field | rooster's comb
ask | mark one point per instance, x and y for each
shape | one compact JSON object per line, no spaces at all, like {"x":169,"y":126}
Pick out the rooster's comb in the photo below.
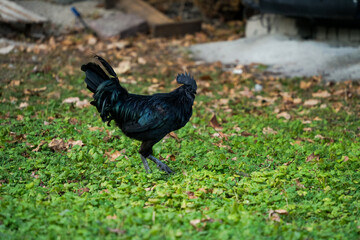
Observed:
{"x":186,"y":79}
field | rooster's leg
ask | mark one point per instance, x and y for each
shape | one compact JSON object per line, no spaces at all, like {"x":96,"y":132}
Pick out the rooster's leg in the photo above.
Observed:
{"x":146,"y":164}
{"x":160,"y":164}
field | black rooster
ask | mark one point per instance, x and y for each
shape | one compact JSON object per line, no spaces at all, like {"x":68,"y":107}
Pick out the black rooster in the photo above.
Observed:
{"x":145,"y":118}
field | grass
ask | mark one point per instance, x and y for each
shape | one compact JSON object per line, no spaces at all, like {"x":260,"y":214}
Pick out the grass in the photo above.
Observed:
{"x":250,"y":175}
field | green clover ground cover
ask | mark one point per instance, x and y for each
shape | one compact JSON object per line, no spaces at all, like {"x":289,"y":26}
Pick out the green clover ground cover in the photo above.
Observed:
{"x":254,"y":175}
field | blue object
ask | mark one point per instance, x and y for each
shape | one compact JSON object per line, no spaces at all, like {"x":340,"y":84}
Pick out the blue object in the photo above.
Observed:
{"x":76,"y":12}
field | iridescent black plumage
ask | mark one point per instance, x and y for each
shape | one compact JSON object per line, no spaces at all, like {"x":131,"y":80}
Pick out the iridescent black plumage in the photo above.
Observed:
{"x":142,"y":117}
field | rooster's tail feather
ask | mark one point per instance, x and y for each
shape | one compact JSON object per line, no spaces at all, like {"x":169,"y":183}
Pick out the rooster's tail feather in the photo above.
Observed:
{"x":107,"y":90}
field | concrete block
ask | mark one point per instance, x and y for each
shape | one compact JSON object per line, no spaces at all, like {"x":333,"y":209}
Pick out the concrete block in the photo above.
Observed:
{"x":119,"y":24}
{"x":320,"y":33}
{"x":343,"y":34}
{"x":271,"y":24}
{"x":354,"y":35}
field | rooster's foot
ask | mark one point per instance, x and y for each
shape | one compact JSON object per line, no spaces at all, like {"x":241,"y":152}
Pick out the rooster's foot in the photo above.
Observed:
{"x":146,"y":164}
{"x":160,"y":164}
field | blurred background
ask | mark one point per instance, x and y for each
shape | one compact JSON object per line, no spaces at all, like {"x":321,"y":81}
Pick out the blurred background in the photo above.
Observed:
{"x":293,"y":37}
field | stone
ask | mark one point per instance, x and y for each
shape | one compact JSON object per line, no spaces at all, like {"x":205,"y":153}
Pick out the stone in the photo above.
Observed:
{"x":118,"y":24}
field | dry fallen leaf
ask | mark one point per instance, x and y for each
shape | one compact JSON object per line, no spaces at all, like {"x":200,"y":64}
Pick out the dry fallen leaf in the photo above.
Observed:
{"x":274,"y":216}
{"x":34,"y":91}
{"x":38,"y":147}
{"x":116,"y":230}
{"x":71,"y":100}
{"x":57,"y":145}
{"x":96,"y":128}
{"x":141,"y":60}
{"x":297,"y":142}
{"x":111,"y":217}
{"x":312,"y":157}
{"x":123,"y":67}
{"x":19,"y":117}
{"x":268,"y":130}
{"x":319,"y":136}
{"x":71,"y":143}
{"x":23,"y":105}
{"x":78,"y":103}
{"x":191,"y":195}
{"x":215,"y":124}
{"x":246,"y":93}
{"x":297,"y":100}
{"x":195,"y":222}
{"x":305,"y":85}
{"x":82,"y":104}
{"x":113,"y":156}
{"x":173,"y":135}
{"x":311,"y":102}
{"x":284,"y":115}
{"x":308,"y":129}
{"x":321,"y":94}
{"x":281,"y":211}
{"x":298,"y":184}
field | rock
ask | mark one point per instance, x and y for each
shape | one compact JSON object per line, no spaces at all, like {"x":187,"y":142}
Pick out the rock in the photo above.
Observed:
{"x":118,"y":24}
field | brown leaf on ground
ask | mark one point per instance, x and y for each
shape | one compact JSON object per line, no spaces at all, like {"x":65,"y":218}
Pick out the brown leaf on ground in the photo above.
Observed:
{"x":38,"y":146}
{"x":339,"y":92}
{"x":82,"y":104}
{"x":173,"y":135}
{"x":73,"y":121}
{"x":274,"y":216}
{"x":195,"y":222}
{"x":72,"y":143}
{"x":311,"y":103}
{"x":82,"y":190}
{"x":319,"y":136}
{"x":116,"y":230}
{"x":172,"y":158}
{"x":78,"y":103}
{"x":19,"y":117}
{"x":34,"y":91}
{"x":286,"y":97}
{"x":246,"y":134}
{"x":191,"y":195}
{"x":123,"y":67}
{"x":298,"y":184}
{"x":202,"y":190}
{"x":215,"y":124}
{"x":305,"y":85}
{"x":297,"y":142}
{"x":268,"y":130}
{"x":54,"y":95}
{"x":57,"y":145}
{"x":246,"y":93}
{"x":200,"y":224}
{"x":113,"y":156}
{"x":23,"y":105}
{"x":281,"y":211}
{"x":284,"y":115}
{"x":307,"y":129}
{"x":337,"y":106}
{"x":321,"y":94}
{"x":111,"y":217}
{"x":96,"y":128}
{"x":297,"y":100}
{"x":71,"y":100}
{"x":312,"y":157}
